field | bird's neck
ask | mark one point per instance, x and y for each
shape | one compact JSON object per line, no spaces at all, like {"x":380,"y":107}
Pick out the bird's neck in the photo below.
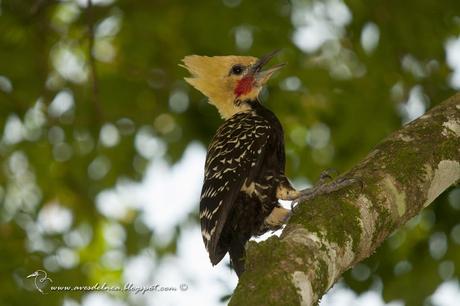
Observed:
{"x":262,"y":111}
{"x":254,"y":105}
{"x":251,"y":104}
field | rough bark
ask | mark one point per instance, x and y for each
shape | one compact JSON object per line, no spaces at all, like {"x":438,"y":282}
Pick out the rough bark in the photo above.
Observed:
{"x":330,"y":234}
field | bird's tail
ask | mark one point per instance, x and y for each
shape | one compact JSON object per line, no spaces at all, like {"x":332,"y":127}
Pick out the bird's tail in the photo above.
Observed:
{"x":237,"y":253}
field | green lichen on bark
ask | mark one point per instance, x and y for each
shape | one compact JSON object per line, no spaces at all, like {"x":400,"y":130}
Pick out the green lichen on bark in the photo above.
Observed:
{"x":322,"y":277}
{"x":385,"y":223}
{"x":335,"y":220}
{"x":403,"y":164}
{"x":269,"y":260}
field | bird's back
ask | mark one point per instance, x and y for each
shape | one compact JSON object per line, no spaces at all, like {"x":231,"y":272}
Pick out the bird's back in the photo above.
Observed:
{"x":243,"y":162}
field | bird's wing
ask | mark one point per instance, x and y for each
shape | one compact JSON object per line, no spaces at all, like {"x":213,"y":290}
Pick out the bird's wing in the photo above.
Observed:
{"x":234,"y":155}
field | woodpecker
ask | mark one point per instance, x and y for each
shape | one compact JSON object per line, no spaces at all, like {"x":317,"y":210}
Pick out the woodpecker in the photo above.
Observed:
{"x":244,"y":169}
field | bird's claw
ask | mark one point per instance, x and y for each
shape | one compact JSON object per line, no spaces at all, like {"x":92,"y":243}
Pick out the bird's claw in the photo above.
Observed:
{"x":294,"y":205}
{"x":324,"y":188}
{"x":325,"y":176}
{"x":305,"y":195}
{"x":350,"y":181}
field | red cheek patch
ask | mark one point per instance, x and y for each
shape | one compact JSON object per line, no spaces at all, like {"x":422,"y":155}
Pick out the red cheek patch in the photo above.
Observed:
{"x":244,"y":86}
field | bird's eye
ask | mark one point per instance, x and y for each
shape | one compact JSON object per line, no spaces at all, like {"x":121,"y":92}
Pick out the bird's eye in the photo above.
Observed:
{"x":237,"y":70}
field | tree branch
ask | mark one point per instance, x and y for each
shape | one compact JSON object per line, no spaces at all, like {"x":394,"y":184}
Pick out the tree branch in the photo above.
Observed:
{"x":330,"y":234}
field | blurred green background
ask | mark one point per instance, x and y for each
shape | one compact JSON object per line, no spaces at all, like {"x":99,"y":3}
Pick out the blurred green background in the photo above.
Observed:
{"x":95,"y":119}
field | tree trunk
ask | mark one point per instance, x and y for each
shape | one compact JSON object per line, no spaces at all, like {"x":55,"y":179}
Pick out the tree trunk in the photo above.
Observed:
{"x":329,"y":234}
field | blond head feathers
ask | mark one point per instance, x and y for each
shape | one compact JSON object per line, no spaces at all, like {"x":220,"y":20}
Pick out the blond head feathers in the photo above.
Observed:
{"x":211,"y":76}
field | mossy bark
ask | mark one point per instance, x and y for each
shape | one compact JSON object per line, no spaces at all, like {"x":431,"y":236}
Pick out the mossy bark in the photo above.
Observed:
{"x":328,"y":235}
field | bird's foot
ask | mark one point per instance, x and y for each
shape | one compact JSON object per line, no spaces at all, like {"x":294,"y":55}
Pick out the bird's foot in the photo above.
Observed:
{"x":326,"y":176}
{"x":324,"y":187}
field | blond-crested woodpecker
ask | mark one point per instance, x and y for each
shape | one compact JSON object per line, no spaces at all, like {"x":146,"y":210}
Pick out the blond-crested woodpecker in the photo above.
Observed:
{"x":244,"y":170}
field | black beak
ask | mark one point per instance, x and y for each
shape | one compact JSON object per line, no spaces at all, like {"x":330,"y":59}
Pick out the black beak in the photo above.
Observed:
{"x":260,"y":75}
{"x":257,"y":67}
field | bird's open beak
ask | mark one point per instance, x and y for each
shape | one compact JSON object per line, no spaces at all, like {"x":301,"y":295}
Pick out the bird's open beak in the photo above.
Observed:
{"x":262,"y":76}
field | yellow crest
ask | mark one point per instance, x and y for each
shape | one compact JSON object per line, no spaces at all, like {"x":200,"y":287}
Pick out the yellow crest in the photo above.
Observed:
{"x":211,"y":76}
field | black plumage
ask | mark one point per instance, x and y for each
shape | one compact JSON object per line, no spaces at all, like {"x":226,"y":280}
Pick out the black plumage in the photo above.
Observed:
{"x":244,"y":167}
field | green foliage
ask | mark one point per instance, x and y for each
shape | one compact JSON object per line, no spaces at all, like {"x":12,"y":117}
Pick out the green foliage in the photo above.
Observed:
{"x":336,"y":102}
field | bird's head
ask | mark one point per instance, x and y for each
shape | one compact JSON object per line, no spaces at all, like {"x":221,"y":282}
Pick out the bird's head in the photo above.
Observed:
{"x":229,"y":81}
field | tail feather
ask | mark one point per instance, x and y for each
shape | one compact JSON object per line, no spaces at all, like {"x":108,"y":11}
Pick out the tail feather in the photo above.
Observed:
{"x":237,"y":255}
